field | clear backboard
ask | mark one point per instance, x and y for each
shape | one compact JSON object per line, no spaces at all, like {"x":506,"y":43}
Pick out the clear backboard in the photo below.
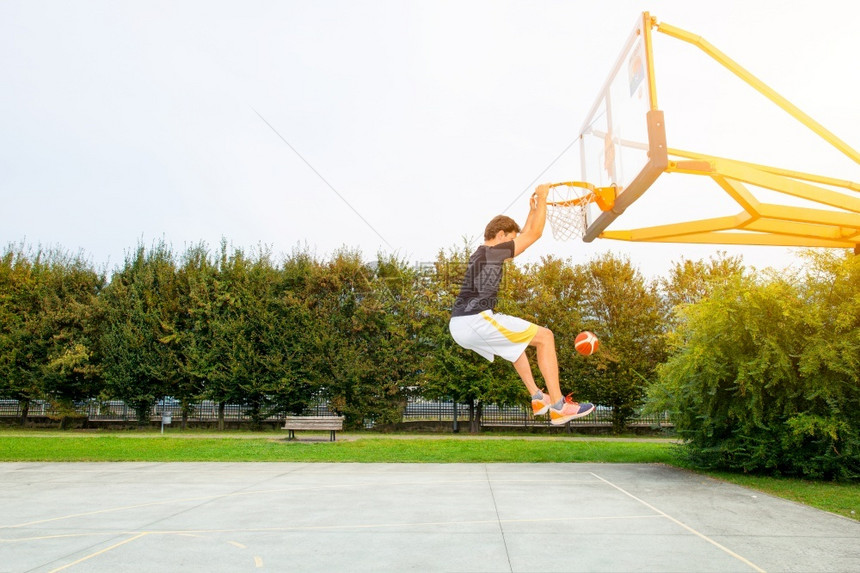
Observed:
{"x":623,"y":139}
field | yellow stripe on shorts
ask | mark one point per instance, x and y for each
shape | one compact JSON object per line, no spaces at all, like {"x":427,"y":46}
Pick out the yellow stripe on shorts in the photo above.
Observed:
{"x":515,"y":337}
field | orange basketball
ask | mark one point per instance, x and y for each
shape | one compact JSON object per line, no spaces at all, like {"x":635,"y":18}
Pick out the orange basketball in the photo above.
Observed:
{"x":586,"y":343}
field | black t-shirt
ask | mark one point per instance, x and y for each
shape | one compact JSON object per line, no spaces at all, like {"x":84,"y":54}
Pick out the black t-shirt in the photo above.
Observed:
{"x":480,"y":288}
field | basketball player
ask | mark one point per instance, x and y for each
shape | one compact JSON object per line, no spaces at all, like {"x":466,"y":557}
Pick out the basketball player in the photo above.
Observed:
{"x":475,"y":326}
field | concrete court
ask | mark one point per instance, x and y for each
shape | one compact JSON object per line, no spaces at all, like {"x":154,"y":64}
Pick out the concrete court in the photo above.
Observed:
{"x":164,"y":517}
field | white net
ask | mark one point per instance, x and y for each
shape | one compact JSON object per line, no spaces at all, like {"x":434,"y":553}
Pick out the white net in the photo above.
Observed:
{"x":565,"y":211}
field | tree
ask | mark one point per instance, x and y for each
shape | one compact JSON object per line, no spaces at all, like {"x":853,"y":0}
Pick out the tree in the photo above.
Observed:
{"x":139,"y":343}
{"x":47,"y":309}
{"x":763,"y":374}
{"x":211,"y":298}
{"x":198,"y":349}
{"x":364,"y":324}
{"x":267,"y":332}
{"x":828,"y":427}
{"x":246,"y":340}
{"x":69,"y":326}
{"x":19,"y":311}
{"x":691,"y":281}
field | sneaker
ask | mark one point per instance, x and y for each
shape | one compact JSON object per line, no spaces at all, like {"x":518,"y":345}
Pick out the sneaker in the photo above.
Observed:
{"x":570,"y":410}
{"x":541,"y":405}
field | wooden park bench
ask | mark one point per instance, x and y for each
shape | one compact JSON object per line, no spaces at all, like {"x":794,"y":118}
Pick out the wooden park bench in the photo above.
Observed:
{"x":331,"y":423}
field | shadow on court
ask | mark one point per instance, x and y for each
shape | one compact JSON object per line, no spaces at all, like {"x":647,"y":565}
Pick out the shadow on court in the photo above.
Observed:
{"x":397,"y":517}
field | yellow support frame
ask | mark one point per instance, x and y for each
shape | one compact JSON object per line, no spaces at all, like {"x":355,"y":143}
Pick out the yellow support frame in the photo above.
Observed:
{"x":758,"y":223}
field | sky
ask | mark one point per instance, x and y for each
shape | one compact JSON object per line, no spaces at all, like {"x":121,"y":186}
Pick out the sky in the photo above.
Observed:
{"x":398,"y":127}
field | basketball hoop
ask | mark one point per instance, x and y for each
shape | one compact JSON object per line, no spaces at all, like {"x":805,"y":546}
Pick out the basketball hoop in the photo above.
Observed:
{"x":567,"y":205}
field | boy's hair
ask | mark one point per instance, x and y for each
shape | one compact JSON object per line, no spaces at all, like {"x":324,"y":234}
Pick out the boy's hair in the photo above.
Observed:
{"x":500,"y":223}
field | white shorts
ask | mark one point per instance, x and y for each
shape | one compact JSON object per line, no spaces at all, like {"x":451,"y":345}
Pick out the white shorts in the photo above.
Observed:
{"x":492,"y":335}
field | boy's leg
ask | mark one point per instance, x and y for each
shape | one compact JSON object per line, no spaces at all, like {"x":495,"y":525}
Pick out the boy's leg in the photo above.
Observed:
{"x":524,"y":369}
{"x":540,"y":400}
{"x":544,"y":343}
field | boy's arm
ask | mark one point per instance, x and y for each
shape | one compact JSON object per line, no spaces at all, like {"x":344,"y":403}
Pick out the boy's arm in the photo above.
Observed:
{"x":531,"y":216}
{"x":533,"y":227}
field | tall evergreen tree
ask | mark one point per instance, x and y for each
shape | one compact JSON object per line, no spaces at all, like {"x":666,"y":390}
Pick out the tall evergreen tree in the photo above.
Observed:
{"x":47,"y":313}
{"x":363,"y":330}
{"x":20,"y":350}
{"x":70,"y":325}
{"x":264,"y":327}
{"x":139,"y":343}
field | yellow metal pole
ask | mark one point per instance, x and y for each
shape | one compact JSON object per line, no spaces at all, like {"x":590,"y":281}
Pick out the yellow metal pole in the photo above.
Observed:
{"x":733,"y":170}
{"x":678,"y":230}
{"x":739,"y":193}
{"x":741,"y":238}
{"x":850,"y":222}
{"x":802,"y":231}
{"x":760,"y":86}
{"x":775,"y":170}
{"x":647,"y":22}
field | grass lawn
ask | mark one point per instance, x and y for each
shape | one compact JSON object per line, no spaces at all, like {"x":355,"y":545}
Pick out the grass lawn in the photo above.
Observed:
{"x":34,"y":446}
{"x":113,"y":448}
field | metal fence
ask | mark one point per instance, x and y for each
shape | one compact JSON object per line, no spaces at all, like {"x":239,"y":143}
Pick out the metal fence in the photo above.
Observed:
{"x":118,"y":411}
{"x":416,"y":410}
{"x":515,"y":416}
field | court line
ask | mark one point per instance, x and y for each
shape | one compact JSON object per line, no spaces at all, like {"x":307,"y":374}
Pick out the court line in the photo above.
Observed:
{"x":100,"y":552}
{"x":499,"y":519}
{"x":684,"y":525}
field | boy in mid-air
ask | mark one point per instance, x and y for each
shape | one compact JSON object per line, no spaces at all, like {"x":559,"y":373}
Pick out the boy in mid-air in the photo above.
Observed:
{"x":475,"y":326}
